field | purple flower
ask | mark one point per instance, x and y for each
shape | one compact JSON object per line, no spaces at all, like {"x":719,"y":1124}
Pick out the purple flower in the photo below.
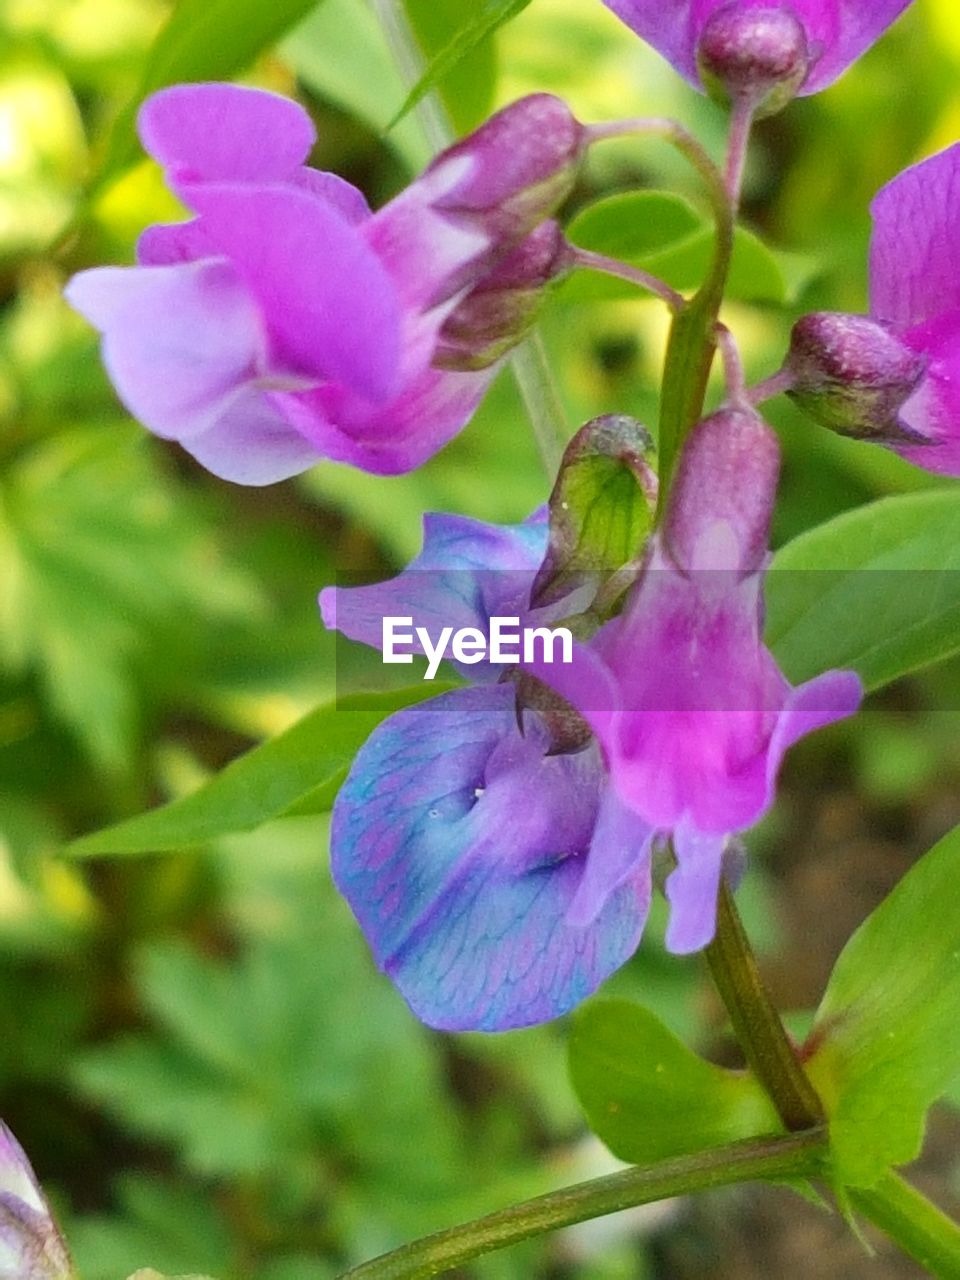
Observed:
{"x":892,"y":377}
{"x":690,"y":708}
{"x":31,"y":1247}
{"x":915,"y":292}
{"x":461,"y":843}
{"x":286,"y":323}
{"x":835,"y":33}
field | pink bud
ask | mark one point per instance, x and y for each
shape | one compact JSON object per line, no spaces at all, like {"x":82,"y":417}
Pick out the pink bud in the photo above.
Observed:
{"x":718,"y":515}
{"x":760,"y":56}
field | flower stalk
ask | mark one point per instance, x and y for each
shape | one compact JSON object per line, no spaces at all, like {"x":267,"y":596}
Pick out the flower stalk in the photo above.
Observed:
{"x":794,"y":1156}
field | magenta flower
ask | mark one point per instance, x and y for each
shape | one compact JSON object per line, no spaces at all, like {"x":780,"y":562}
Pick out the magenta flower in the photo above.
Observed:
{"x":461,"y":843}
{"x":690,"y":709}
{"x":740,"y":38}
{"x":31,"y":1247}
{"x":286,"y":323}
{"x":892,"y":377}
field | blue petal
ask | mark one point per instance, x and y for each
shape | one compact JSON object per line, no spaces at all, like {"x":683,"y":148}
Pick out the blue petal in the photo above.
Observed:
{"x":466,"y":573}
{"x":460,"y":846}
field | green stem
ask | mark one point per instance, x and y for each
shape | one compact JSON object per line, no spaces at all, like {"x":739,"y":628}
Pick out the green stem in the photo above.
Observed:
{"x":529,"y":362}
{"x":692,"y":339}
{"x":791,"y":1157}
{"x":756,"y":1022}
{"x":921,"y":1230}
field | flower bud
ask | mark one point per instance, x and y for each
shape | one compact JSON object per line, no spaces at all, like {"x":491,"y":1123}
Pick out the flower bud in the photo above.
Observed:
{"x":718,"y":516}
{"x":497,"y":313}
{"x":758,"y":55}
{"x":853,"y":375}
{"x":523,"y":163}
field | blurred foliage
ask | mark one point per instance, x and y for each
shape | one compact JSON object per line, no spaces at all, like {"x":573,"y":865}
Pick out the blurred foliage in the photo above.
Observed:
{"x":197,"y":1051}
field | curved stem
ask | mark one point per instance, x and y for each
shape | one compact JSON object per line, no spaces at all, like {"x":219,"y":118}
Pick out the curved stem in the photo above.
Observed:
{"x":756,"y":1022}
{"x":626,"y":271}
{"x":789,"y":1157}
{"x":922,"y":1231}
{"x":672,"y":132}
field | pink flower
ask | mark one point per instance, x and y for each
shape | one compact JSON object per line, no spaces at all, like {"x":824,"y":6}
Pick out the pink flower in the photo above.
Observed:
{"x":691,"y":711}
{"x":286,"y":323}
{"x":893,"y":377}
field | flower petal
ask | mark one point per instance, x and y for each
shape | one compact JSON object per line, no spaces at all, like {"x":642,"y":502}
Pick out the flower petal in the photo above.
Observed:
{"x":251,"y":442}
{"x":403,"y":433}
{"x":224,"y":132}
{"x":466,"y":573}
{"x":455,"y":840}
{"x":692,"y":888}
{"x":915,"y":249}
{"x":619,"y":854}
{"x":177,"y":340}
{"x":833,"y":696}
{"x":329,"y":307}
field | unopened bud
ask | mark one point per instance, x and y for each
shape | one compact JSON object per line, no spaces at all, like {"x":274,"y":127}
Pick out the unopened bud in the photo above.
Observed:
{"x":853,"y":375}
{"x":502,"y":307}
{"x":721,"y":502}
{"x":524,"y":163}
{"x":760,"y":55}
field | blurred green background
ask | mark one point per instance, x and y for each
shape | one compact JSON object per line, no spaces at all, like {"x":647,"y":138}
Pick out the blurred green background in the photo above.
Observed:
{"x":196,"y":1050}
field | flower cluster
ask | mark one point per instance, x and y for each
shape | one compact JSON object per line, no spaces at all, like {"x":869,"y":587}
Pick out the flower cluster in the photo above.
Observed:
{"x":500,"y":843}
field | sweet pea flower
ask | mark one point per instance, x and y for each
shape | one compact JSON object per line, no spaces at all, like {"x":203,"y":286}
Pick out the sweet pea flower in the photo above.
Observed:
{"x":31,"y":1247}
{"x":461,"y":840}
{"x":285,"y":323}
{"x":690,"y":709}
{"x":892,"y":377}
{"x":757,"y":46}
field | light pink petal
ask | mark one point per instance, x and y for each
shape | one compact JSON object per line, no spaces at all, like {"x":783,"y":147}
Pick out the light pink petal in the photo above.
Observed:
{"x":692,"y":888}
{"x":400,"y":435}
{"x":250,"y":442}
{"x":329,"y":306}
{"x":429,"y":254}
{"x":176,"y":340}
{"x":915,"y":249}
{"x":224,"y":132}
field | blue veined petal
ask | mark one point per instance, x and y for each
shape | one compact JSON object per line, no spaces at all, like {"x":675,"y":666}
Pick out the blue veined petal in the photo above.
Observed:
{"x":460,"y":846}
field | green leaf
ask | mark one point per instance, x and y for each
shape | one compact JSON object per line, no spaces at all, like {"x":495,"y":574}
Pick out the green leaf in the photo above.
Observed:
{"x":297,"y":772}
{"x":601,"y":507}
{"x":648,"y":1096}
{"x":876,"y":589}
{"x":98,"y":553}
{"x":481,"y":23}
{"x":887,"y":1033}
{"x":202,"y":40}
{"x":665,"y":235}
{"x":467,"y":90}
